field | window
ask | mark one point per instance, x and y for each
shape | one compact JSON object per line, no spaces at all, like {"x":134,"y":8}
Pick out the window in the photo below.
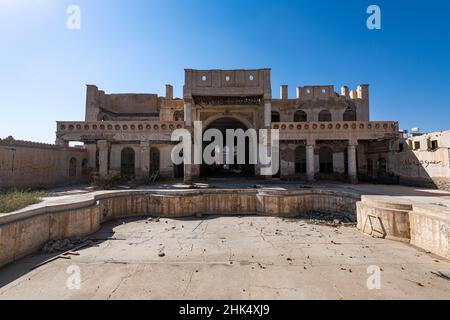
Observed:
{"x":416,"y":145}
{"x":251,"y":77}
{"x":300,"y":116}
{"x":349,"y":115}
{"x":275,"y":116}
{"x":73,"y":167}
{"x":324,"y":115}
{"x":401,"y":147}
{"x":227,"y":78}
{"x":434,"y":145}
{"x":203,"y":78}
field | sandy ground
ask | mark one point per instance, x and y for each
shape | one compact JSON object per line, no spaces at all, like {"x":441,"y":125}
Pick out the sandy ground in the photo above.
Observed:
{"x":232,"y":257}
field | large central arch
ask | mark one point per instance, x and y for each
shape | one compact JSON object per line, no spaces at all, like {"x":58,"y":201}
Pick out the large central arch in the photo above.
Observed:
{"x":225,"y":170}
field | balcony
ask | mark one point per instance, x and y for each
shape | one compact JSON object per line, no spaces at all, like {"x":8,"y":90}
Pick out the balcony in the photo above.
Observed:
{"x":337,"y":130}
{"x":116,"y":130}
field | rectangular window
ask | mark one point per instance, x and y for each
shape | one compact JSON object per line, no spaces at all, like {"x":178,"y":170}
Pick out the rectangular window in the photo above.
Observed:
{"x":416,"y":145}
{"x":434,"y":145}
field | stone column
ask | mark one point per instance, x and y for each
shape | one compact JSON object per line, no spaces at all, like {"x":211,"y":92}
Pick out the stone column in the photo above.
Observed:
{"x":92,"y":151}
{"x":310,"y":160}
{"x":145,"y":160}
{"x":267,"y":114}
{"x":188,"y":114}
{"x":352,"y":171}
{"x":188,"y":168}
{"x":102,"y":146}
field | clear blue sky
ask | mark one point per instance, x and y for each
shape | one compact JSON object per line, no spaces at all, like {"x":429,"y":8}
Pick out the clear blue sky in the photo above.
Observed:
{"x":138,"y":46}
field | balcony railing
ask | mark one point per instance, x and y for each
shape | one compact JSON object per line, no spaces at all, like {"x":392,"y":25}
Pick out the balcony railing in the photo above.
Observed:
{"x":117,"y":126}
{"x":362,"y":129}
{"x":336,"y":125}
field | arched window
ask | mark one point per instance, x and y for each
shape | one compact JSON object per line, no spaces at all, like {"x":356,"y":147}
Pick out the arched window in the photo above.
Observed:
{"x":178,"y":116}
{"x":326,"y":160}
{"x":84,"y":167}
{"x":300,"y":116}
{"x":72,"y":167}
{"x":127,"y":163}
{"x":154,"y":160}
{"x":300,"y":159}
{"x":275,"y":116}
{"x":349,"y":115}
{"x":324,"y":115}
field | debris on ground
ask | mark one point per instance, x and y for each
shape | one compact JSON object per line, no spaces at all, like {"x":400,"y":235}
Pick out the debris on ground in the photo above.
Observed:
{"x":331,"y":219}
{"x":62,"y":245}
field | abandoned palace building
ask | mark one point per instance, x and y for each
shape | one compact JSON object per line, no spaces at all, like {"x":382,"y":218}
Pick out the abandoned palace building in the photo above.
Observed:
{"x":323,"y":135}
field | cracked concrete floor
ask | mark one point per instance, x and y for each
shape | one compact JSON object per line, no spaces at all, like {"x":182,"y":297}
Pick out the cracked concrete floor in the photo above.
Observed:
{"x":246,"y":257}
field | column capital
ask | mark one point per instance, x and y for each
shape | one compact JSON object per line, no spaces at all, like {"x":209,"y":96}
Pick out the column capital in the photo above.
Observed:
{"x":102,"y":142}
{"x":145,"y":143}
{"x":352,"y":143}
{"x":310,"y":143}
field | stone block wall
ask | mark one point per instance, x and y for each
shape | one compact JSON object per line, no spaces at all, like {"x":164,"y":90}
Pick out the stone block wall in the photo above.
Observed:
{"x":26,"y":164}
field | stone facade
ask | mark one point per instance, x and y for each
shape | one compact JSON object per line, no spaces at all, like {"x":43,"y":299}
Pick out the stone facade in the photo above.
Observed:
{"x":26,"y":164}
{"x":323,"y":134}
{"x":424,"y":160}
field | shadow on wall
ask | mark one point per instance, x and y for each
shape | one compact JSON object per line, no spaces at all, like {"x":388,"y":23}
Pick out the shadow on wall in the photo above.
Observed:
{"x":408,"y":164}
{"x":427,"y":167}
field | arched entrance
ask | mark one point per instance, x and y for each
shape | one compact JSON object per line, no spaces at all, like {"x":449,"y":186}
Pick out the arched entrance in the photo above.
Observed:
{"x":228,"y":169}
{"x":154,"y":160}
{"x":300,"y":160}
{"x":127,"y":163}
{"x":326,"y":160}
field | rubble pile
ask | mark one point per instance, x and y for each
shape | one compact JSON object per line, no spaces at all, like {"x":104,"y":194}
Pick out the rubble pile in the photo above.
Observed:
{"x":331,"y":219}
{"x":62,"y":245}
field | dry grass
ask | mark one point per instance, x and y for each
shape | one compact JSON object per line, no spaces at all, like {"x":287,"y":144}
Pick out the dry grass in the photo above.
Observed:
{"x":14,"y":200}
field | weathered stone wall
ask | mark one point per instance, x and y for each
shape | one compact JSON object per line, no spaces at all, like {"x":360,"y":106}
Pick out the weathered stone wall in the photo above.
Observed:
{"x":421,"y":164}
{"x":35,"y":165}
{"x":425,"y":224}
{"x":27,"y":230}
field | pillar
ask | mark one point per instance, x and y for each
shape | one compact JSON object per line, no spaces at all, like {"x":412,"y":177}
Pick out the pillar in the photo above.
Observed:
{"x":310,"y":160}
{"x":267,"y":114}
{"x":102,"y":146}
{"x":92,"y":151}
{"x":284,"y":92}
{"x":169,"y":92}
{"x":352,"y":171}
{"x":189,"y":167}
{"x":145,"y":160}
{"x":188,"y":114}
